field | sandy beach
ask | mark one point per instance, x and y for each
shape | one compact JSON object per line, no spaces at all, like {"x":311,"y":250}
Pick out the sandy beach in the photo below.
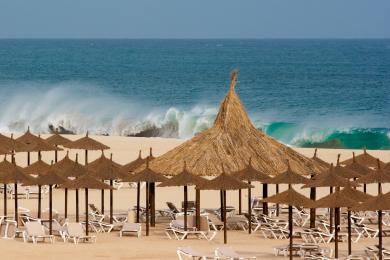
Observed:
{"x":157,"y":245}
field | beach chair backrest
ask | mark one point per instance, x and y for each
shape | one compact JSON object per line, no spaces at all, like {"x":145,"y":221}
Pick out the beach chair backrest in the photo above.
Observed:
{"x":94,"y":208}
{"x":11,"y":229}
{"x":227,"y":252}
{"x":131,"y":216}
{"x":172,"y":207}
{"x":3,"y":229}
{"x":75,"y":229}
{"x":204,"y":224}
{"x":35,"y":228}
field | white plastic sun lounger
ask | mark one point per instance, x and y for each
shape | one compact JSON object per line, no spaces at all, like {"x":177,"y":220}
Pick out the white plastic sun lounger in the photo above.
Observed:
{"x":8,"y":229}
{"x":130,"y":228}
{"x":35,"y":231}
{"x":188,"y":252}
{"x":229,"y":253}
{"x":75,"y":232}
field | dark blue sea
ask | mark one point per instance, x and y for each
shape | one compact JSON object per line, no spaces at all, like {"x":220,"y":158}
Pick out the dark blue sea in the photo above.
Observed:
{"x":325,"y":93}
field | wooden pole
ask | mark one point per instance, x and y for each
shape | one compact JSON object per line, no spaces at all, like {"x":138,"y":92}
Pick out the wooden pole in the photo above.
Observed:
{"x":250,"y":208}
{"x":224,"y":218}
{"x":5,"y":200}
{"x":336,"y":234}
{"x":50,"y":209}
{"x":331,"y":214}
{"x":138,"y":199}
{"x":380,"y":234}
{"x":111,"y":203}
{"x":39,"y":200}
{"x":66,"y":203}
{"x":86,"y":213}
{"x":349,"y":233}
{"x":265,"y":195}
{"x":185,"y":207}
{"x":313,"y":196}
{"x":197,"y":195}
{"x":147,"y":208}
{"x":152,"y":201}
{"x":239,"y":202}
{"x":77,"y":205}
{"x":277,"y":205}
{"x":221,"y":201}
{"x":102,"y":200}
{"x":16,"y":203}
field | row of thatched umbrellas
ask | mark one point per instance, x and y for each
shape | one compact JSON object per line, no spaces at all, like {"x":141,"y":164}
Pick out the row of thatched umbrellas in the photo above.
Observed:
{"x":105,"y":169}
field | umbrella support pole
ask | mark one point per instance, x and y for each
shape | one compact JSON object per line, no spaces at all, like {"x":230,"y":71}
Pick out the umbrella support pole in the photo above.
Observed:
{"x":147,"y":208}
{"x":102,"y":201}
{"x":5,"y":200}
{"x":39,"y":201}
{"x":152,"y":201}
{"x":16,"y":203}
{"x":197,"y":195}
{"x":221,"y":202}
{"x":185,"y":207}
{"x":277,"y":205}
{"x":50,"y":209}
{"x":250,"y":208}
{"x":66,"y":203}
{"x":290,"y":227}
{"x":331,"y":213}
{"x":313,"y":196}
{"x":86,"y":212}
{"x":239,"y":202}
{"x":111,"y":203}
{"x":28,"y":158}
{"x":365,"y":188}
{"x":55,"y":155}
{"x":224,"y":218}
{"x":336,"y":233}
{"x":77,"y":205}
{"x":349,"y":233}
{"x":138,"y":199}
{"x":265,"y":195}
{"x":380,"y":234}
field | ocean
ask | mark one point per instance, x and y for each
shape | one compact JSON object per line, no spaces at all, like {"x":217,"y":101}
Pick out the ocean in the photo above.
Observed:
{"x":307,"y":93}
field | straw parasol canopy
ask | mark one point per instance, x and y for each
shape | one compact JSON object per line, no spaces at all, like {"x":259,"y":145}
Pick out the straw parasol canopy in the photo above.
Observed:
{"x":103,"y":161}
{"x":288,"y":177}
{"x":57,"y":139}
{"x":86,"y":143}
{"x":4,"y":151}
{"x":379,"y":203}
{"x":145,"y":175}
{"x":64,"y":163}
{"x":10,"y":144}
{"x":249,"y":173}
{"x":70,"y":169}
{"x":37,"y":168}
{"x":345,"y":172}
{"x":231,"y":141}
{"x":357,"y":167}
{"x":132,"y":166}
{"x":291,"y":198}
{"x":377,"y":176}
{"x":328,"y":179}
{"x":35,"y":143}
{"x":365,"y":159}
{"x":185,"y":178}
{"x":320,"y":161}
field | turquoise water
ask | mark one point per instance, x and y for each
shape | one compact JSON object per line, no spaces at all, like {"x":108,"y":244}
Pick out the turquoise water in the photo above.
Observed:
{"x":328,"y":93}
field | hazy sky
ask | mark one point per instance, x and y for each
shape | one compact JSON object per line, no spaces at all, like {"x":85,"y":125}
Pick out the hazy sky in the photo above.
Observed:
{"x":194,"y":19}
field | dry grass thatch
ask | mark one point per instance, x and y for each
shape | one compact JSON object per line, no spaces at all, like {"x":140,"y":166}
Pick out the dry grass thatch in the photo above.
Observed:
{"x":132,"y":166}
{"x":15,"y":175}
{"x":320,"y":161}
{"x":357,"y":167}
{"x":86,"y":182}
{"x":288,"y":177}
{"x":185,"y":178}
{"x":68,"y":168}
{"x":103,"y":162}
{"x":86,"y":143}
{"x":377,"y":176}
{"x":146,"y":175}
{"x":33,"y":143}
{"x":329,"y":179}
{"x":37,"y":168}
{"x":57,"y":139}
{"x":290,"y":197}
{"x":345,"y":172}
{"x":251,"y":174}
{"x":10,"y":144}
{"x":380,"y":202}
{"x":51,"y":177}
{"x":365,"y":159}
{"x":335,"y":200}
{"x":232,"y":141}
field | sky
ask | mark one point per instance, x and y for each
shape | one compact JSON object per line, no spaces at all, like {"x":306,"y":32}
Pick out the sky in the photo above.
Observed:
{"x":194,"y":19}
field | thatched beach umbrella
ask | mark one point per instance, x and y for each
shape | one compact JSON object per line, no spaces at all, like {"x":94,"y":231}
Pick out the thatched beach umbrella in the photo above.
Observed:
{"x":34,"y":143}
{"x":345,"y":198}
{"x":48,"y":178}
{"x":365,"y":159}
{"x":14,"y":175}
{"x":185,"y":179}
{"x":10,"y":144}
{"x":72,"y":170}
{"x":359,"y":168}
{"x":250,"y":174}
{"x":378,"y":203}
{"x":5,"y":167}
{"x":88,"y":144}
{"x":57,"y":140}
{"x":345,"y":172}
{"x":223,"y":183}
{"x":106,"y":169}
{"x":103,"y":162}
{"x":130,"y":168}
{"x":38,"y":168}
{"x":319,"y":160}
{"x":149,"y":176}
{"x":86,"y":182}
{"x":378,"y":176}
{"x":231,"y":141}
{"x":291,"y":198}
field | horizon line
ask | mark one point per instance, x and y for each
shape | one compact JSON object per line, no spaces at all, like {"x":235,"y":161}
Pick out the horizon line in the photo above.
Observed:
{"x":184,"y":38}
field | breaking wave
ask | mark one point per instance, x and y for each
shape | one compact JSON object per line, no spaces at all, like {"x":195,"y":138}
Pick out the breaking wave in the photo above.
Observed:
{"x":75,"y":108}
